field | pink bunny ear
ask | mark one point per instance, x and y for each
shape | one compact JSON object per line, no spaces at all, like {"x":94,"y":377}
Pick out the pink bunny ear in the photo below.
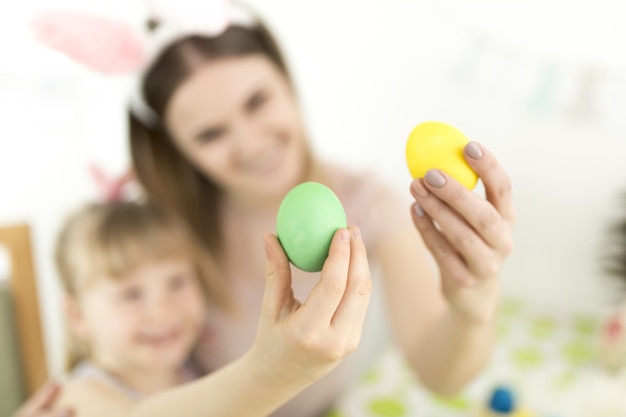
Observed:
{"x":112,"y":189}
{"x":121,"y":182}
{"x":206,"y":16}
{"x":99,"y":43}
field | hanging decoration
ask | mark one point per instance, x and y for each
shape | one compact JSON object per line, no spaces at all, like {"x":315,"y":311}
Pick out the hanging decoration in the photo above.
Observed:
{"x":550,"y":63}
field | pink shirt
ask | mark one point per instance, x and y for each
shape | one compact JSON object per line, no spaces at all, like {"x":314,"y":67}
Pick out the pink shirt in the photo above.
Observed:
{"x":379,"y":211}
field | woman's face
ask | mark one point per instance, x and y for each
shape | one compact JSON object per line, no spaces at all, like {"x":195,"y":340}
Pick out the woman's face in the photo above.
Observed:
{"x":237,"y":121}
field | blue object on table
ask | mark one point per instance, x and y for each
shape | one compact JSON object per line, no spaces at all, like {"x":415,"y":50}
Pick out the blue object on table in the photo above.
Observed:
{"x":502,"y":400}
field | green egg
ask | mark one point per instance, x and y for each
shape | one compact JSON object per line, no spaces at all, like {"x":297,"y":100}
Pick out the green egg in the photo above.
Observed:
{"x":307,"y":219}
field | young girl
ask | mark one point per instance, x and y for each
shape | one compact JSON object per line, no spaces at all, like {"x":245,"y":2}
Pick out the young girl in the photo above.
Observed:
{"x":137,"y":288}
{"x":135,"y":292}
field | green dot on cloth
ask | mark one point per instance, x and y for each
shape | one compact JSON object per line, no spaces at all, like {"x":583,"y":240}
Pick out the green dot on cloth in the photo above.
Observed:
{"x":578,"y":353}
{"x":455,"y":403}
{"x":527,"y":357}
{"x":388,"y":407}
{"x":585,"y":326}
{"x":542,"y":327}
{"x":371,"y":377}
{"x":564,"y":380}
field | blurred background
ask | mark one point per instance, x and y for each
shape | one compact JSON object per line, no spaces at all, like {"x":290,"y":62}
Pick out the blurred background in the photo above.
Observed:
{"x":541,"y":83}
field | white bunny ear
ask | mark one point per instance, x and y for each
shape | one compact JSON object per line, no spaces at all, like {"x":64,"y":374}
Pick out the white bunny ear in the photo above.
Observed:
{"x":100,"y":43}
{"x":203,"y":16}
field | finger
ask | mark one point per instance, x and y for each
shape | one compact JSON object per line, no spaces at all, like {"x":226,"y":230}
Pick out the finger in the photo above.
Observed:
{"x":321,"y":305}
{"x":278,"y":296}
{"x":463,"y":239}
{"x":440,"y":247}
{"x":351,"y":311}
{"x":497,"y":183}
{"x":435,"y":241}
{"x":480,"y":214}
{"x":43,"y":399}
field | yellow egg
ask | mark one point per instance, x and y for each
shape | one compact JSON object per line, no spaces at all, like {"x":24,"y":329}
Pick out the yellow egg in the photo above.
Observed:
{"x":437,"y":145}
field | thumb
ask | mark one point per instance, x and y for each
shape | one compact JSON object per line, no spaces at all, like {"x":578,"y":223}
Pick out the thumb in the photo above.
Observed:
{"x":278,"y":293}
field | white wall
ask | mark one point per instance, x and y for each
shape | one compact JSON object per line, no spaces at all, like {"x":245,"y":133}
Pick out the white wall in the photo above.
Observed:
{"x":368,"y":71}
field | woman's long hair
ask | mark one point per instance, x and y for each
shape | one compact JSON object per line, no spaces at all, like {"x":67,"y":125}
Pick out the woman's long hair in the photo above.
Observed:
{"x":168,"y":178}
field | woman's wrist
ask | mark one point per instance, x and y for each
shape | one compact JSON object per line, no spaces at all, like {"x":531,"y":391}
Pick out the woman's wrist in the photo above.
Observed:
{"x":270,"y":374}
{"x":273,"y":387}
{"x":477,"y":308}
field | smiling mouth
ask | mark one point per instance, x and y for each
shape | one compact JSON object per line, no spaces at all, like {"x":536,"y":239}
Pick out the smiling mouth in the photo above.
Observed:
{"x":160,"y":339}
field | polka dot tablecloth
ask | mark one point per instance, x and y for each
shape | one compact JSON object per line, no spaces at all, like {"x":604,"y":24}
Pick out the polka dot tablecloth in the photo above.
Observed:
{"x":549,"y":360}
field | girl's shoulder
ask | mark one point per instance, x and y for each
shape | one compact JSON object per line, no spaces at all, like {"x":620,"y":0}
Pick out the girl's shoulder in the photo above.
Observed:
{"x":94,"y":398}
{"x":89,"y":371}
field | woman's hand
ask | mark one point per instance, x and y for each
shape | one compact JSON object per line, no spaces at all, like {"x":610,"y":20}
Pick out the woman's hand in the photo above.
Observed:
{"x":41,"y":404}
{"x":468,"y":236}
{"x":300,"y":342}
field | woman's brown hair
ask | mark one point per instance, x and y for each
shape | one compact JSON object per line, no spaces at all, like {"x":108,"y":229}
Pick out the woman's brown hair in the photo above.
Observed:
{"x":168,"y":178}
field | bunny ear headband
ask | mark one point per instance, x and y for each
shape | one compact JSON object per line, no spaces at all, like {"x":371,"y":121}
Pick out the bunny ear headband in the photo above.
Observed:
{"x":114,"y":46}
{"x":112,"y":188}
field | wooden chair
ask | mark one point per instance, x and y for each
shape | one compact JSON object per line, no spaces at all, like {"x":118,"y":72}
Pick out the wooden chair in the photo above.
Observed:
{"x":24,"y":300}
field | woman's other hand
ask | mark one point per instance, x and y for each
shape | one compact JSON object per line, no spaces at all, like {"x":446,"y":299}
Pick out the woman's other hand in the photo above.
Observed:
{"x":469,"y":236}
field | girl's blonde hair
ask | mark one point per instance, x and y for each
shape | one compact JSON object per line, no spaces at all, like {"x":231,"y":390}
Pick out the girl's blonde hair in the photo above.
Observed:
{"x":113,"y":239}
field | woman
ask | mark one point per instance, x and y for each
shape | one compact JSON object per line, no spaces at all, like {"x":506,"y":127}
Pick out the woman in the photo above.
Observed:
{"x":218,"y":139}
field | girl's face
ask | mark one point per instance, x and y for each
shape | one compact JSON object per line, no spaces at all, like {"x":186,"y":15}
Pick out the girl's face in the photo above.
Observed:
{"x":237,"y":121}
{"x":146,"y":320}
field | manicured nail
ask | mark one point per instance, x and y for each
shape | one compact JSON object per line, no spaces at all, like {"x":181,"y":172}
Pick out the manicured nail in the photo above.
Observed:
{"x":473,"y":150}
{"x":345,"y":234}
{"x":435,"y":178}
{"x":419,"y":189}
{"x":418,"y":210}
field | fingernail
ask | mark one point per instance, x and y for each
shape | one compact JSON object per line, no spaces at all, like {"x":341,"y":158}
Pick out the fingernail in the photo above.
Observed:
{"x":418,"y":210}
{"x":345,"y":234}
{"x":435,"y":178}
{"x":473,"y":150}
{"x":419,"y":189}
{"x":356,"y":232}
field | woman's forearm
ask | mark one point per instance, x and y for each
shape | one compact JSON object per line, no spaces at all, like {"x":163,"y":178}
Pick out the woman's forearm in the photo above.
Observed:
{"x":453,"y":352}
{"x":239,"y":389}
